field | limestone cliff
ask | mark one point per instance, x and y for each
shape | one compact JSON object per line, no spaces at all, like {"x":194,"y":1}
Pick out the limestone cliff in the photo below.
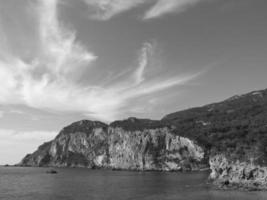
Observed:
{"x":130,"y":144}
{"x":76,"y":145}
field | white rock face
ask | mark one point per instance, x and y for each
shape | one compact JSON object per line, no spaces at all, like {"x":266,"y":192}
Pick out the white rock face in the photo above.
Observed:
{"x":80,"y":149}
{"x":116,"y":148}
{"x":152,"y":149}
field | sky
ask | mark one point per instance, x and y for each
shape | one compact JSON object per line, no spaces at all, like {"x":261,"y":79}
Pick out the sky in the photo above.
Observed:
{"x":66,"y":60}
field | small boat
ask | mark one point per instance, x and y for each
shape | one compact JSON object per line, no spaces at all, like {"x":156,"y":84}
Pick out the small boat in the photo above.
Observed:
{"x":51,"y":171}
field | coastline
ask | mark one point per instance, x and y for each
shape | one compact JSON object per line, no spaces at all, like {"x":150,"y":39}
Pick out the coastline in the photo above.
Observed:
{"x":217,"y":184}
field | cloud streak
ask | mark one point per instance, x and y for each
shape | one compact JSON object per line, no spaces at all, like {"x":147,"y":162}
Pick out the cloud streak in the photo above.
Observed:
{"x":163,"y":7}
{"x":50,"y":80}
{"x":106,"y":9}
{"x":146,"y":51}
{"x":58,"y":43}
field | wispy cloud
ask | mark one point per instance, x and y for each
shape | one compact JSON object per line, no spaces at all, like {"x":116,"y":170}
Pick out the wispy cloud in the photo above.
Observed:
{"x":106,"y":9}
{"x":146,"y":51}
{"x":156,"y":85}
{"x":48,"y":81}
{"x":163,"y":7}
{"x":58,"y":43}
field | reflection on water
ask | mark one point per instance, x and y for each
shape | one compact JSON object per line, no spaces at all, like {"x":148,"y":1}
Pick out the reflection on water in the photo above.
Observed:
{"x":85,"y":184}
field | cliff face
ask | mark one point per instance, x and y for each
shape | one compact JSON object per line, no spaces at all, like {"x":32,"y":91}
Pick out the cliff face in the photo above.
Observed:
{"x":152,"y":149}
{"x":76,"y":145}
{"x":95,"y":145}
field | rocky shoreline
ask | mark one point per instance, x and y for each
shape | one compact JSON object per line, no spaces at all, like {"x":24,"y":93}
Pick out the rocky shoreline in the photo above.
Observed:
{"x":227,"y":174}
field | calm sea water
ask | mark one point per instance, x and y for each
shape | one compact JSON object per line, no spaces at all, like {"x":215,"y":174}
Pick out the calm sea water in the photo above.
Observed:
{"x":85,"y":184}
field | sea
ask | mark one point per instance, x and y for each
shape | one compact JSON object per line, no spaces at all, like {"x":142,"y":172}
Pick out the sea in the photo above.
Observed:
{"x":19,"y":183}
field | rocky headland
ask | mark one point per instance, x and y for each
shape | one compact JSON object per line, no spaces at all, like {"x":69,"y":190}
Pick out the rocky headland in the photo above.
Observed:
{"x":97,"y":145}
{"x":229,"y":137}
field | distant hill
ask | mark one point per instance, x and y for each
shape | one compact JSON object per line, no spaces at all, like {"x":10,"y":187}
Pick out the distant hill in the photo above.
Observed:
{"x":236,"y":127}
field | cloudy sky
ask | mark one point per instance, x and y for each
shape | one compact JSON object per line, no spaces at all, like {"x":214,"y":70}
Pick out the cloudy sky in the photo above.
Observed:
{"x":66,"y":60}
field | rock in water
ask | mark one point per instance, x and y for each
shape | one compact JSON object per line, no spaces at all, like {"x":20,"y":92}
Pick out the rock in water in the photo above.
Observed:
{"x":244,"y":175}
{"x":132,"y":144}
{"x":52,"y":171}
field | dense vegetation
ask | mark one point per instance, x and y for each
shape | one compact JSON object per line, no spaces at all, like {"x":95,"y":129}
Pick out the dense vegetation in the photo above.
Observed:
{"x":134,"y":124}
{"x":236,"y":126}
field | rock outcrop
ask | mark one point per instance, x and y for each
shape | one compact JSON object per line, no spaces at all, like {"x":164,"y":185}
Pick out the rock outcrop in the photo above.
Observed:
{"x":132,"y":144}
{"x":226,"y":173}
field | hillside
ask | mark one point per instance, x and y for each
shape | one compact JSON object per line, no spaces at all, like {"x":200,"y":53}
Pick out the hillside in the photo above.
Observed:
{"x":236,"y":127}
